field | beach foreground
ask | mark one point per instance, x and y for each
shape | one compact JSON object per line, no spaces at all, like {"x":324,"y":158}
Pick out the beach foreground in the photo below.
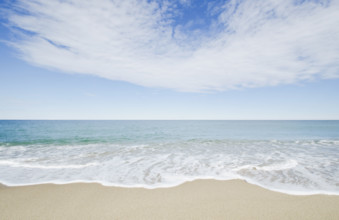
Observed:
{"x":200,"y":199}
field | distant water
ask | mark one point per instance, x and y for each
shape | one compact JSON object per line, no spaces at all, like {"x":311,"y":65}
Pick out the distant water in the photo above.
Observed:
{"x":296,"y":157}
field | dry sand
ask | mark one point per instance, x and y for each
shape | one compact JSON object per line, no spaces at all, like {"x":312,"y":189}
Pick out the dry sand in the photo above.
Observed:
{"x":201,"y":199}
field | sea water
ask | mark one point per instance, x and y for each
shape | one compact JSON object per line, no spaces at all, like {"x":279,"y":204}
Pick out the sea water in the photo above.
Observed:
{"x":295,"y":157}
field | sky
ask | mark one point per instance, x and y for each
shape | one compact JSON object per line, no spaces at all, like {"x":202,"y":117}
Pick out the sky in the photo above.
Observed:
{"x":180,"y":59}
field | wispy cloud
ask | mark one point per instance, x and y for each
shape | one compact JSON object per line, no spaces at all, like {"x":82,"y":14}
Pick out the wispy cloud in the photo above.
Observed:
{"x":248,"y":43}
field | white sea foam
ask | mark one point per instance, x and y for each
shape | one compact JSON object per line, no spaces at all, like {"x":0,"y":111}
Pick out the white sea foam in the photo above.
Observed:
{"x":272,"y":167}
{"x":303,"y":167}
{"x":38,"y":166}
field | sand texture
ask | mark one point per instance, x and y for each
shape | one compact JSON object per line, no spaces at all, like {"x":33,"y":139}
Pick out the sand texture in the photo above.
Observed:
{"x":201,"y":199}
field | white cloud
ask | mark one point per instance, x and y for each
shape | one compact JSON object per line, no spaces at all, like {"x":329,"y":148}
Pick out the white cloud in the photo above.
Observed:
{"x":249,"y":44}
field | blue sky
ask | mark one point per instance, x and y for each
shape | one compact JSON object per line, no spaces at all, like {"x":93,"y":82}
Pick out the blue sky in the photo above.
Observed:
{"x":169,"y":60}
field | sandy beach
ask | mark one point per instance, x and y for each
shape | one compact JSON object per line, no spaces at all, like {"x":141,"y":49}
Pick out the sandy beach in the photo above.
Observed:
{"x":201,"y":199}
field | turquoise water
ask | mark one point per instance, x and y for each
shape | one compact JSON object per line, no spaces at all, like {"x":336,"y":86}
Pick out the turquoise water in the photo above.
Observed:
{"x":297,"y":157}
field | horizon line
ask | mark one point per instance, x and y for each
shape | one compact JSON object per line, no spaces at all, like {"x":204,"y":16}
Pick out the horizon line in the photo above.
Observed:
{"x":169,"y":119}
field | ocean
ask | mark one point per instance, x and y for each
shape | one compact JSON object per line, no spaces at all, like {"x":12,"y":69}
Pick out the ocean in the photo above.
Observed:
{"x":294,"y":157}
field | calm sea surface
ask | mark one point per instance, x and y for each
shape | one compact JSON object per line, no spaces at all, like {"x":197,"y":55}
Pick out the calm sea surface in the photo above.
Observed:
{"x":297,"y":157}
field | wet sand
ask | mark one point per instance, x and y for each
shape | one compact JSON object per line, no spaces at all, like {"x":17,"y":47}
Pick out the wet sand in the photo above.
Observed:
{"x":200,"y":199}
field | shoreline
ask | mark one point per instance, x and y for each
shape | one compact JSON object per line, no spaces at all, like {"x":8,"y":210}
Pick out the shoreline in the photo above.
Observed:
{"x":198,"y":199}
{"x":140,"y":186}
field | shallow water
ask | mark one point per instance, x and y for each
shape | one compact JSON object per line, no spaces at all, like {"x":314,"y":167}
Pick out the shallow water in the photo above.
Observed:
{"x":296,"y":157}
